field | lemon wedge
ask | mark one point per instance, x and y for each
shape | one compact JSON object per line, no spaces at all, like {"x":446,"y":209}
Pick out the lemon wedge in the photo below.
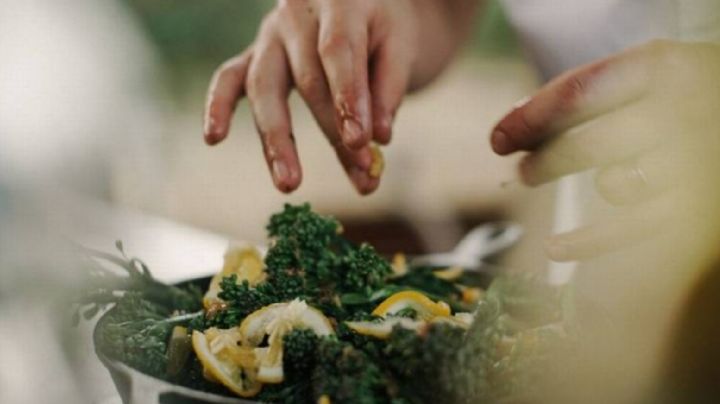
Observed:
{"x":449,"y":274}
{"x":283,"y":317}
{"x":424,"y":306}
{"x":462,"y":320}
{"x":275,"y":321}
{"x":378,"y":161}
{"x":225,"y":361}
{"x":471,"y":294}
{"x":399,"y":265}
{"x":382,"y":329}
{"x":242,"y":260}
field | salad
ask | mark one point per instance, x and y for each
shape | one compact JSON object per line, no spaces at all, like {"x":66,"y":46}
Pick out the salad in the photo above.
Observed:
{"x":319,"y":319}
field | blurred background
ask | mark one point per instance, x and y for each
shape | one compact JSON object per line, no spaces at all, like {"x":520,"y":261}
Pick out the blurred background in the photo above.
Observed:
{"x":105,"y":98}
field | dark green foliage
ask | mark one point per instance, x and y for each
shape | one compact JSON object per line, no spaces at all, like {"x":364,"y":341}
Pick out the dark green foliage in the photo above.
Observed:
{"x":242,"y":300}
{"x":304,"y":245}
{"x":299,"y":348}
{"x":308,"y":259}
{"x":424,"y":279}
{"x":365,"y":271}
{"x":407,"y":312}
{"x":105,"y":286}
{"x":423,"y":364}
{"x":136,"y":332}
{"x":347,"y":374}
{"x":497,"y":358}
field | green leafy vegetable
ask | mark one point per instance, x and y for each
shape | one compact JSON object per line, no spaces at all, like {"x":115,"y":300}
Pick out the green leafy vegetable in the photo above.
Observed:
{"x":137,"y":330}
{"x":515,"y":326}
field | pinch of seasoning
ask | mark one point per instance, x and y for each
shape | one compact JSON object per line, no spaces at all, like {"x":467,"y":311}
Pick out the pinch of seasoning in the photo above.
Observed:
{"x":378,"y":161}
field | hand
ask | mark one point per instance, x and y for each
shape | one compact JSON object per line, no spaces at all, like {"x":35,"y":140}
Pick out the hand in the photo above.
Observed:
{"x":350,"y":61}
{"x":648,"y":120}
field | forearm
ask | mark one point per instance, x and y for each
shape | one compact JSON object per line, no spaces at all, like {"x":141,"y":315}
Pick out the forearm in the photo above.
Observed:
{"x":444,"y":26}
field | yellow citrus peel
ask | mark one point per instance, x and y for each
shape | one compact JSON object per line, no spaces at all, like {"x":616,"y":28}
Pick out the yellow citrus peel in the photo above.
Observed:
{"x":241,"y":260}
{"x":424,"y":306}
{"x":226,"y":362}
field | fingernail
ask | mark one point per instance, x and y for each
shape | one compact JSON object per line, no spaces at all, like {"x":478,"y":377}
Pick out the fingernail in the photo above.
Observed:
{"x":211,"y":131}
{"x":500,"y":142}
{"x":383,"y":129}
{"x":280,"y":171}
{"x":360,"y":179}
{"x":352,"y":132}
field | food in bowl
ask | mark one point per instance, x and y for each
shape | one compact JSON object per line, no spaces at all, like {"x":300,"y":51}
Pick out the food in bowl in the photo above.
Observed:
{"x":319,"y":319}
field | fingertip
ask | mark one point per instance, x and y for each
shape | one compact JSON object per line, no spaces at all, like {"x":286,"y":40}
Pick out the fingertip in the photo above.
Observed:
{"x":501,"y":143}
{"x":215,"y":129}
{"x":382,"y":130}
{"x":213,"y":138}
{"x":363,"y":182}
{"x":286,"y":177}
{"x":369,"y":187}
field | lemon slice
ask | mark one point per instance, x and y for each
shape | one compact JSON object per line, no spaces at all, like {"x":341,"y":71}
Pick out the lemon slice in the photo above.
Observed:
{"x":378,"y":161}
{"x":270,"y":364}
{"x":275,"y":321}
{"x":290,"y":315}
{"x":399,"y":265}
{"x":462,"y":320}
{"x":471,"y":294}
{"x":242,"y":260}
{"x":223,"y":360}
{"x":449,"y":274}
{"x":417,"y":301}
{"x":382,"y":329}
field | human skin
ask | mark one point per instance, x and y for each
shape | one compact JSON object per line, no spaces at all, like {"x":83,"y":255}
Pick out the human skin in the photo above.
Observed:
{"x":639,"y":117}
{"x":646,"y":119}
{"x":352,"y":62}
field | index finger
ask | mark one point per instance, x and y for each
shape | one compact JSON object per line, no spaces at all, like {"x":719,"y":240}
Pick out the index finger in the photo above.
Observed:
{"x":573,"y":98}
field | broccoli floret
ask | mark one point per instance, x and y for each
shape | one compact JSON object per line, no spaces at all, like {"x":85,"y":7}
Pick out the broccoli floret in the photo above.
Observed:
{"x":299,"y":353}
{"x":303,"y":241}
{"x":241,"y":301}
{"x":308,"y":259}
{"x":364,"y":270}
{"x":347,"y":374}
{"x":491,"y":361}
{"x":422,"y":364}
{"x":299,"y":347}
